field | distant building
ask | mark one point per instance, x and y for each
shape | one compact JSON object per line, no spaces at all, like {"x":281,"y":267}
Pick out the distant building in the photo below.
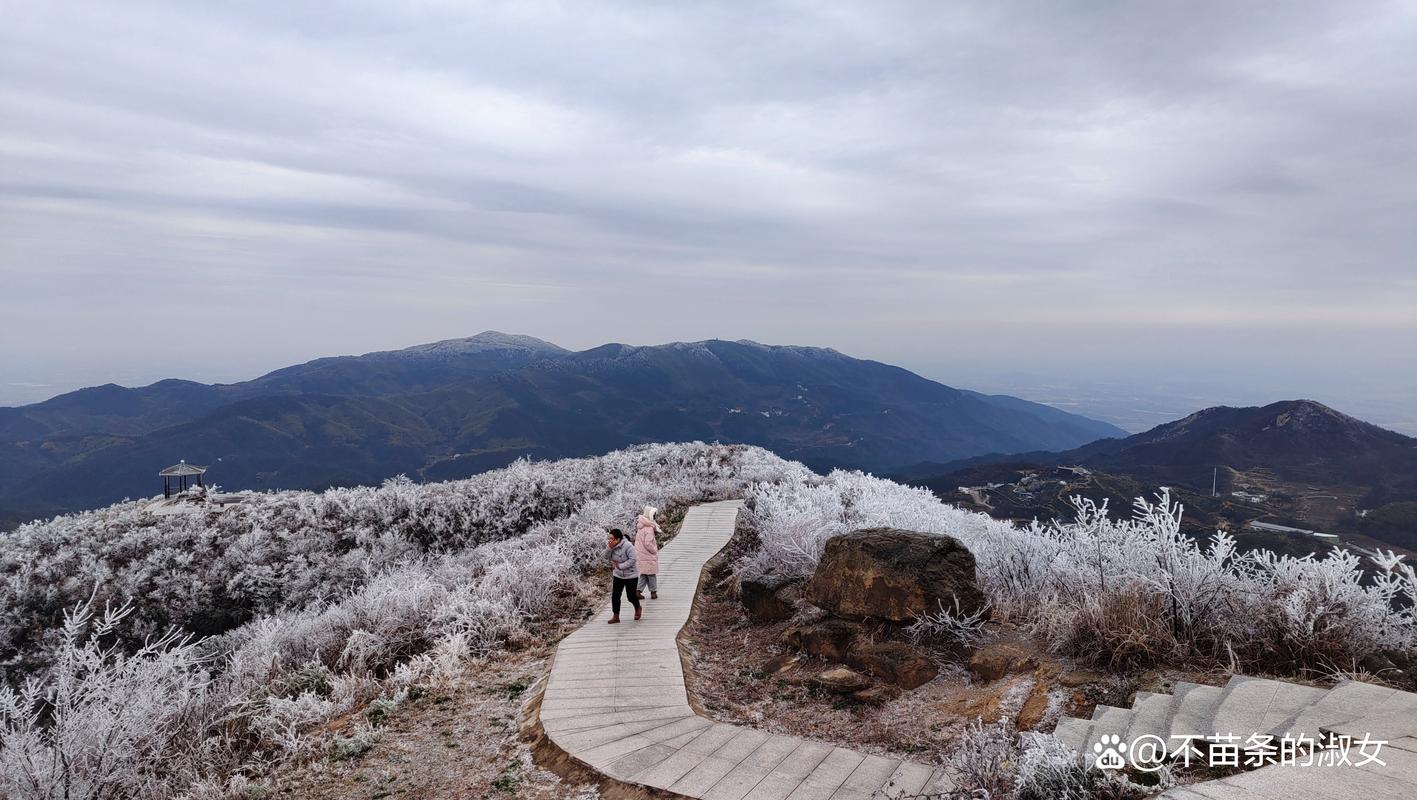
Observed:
{"x":1273,"y":528}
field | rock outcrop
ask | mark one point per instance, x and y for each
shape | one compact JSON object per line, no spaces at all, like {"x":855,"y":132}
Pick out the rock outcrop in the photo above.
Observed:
{"x":894,"y":662}
{"x":894,"y":575}
{"x":994,"y":661}
{"x":829,"y":639}
{"x":769,"y":598}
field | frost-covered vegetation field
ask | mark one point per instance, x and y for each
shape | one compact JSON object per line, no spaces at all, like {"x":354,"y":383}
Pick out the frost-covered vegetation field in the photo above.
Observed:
{"x":181,"y":655}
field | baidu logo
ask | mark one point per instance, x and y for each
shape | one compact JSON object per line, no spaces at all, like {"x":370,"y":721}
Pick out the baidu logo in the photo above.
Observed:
{"x":1109,"y":752}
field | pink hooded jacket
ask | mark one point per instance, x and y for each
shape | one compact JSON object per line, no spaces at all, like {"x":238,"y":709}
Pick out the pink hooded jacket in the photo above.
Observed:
{"x":646,"y":545}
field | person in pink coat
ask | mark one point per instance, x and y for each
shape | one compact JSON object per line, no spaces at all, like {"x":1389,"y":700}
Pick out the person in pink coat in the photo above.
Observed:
{"x":647,"y":552}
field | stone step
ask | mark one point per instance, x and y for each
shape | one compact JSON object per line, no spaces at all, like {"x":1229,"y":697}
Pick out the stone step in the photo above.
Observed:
{"x":1150,"y":715}
{"x":1347,"y":701}
{"x":1193,"y":710}
{"x":1074,"y":733}
{"x":1243,"y":706}
{"x":1291,"y":700}
{"x":1396,"y":719}
{"x":1110,"y":721}
{"x":1288,"y":782}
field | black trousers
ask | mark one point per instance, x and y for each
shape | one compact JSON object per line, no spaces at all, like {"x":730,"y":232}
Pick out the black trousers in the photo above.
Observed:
{"x":626,"y":585}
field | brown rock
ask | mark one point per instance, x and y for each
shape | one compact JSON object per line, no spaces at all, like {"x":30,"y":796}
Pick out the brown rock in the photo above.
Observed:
{"x":840,"y":680}
{"x":893,"y":574}
{"x":1033,"y":709}
{"x":875,"y":695}
{"x":895,"y":662}
{"x":1080,"y":677}
{"x":769,"y":598}
{"x":829,"y":639}
{"x":779,"y":664}
{"x":994,"y":661}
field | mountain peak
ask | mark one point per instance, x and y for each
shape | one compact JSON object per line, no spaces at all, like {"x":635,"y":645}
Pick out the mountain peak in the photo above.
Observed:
{"x":1309,"y":416}
{"x":1293,"y":439}
{"x":483,"y":342}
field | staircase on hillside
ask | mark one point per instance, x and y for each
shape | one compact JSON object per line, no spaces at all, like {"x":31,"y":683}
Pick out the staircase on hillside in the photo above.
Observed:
{"x":1247,"y":706}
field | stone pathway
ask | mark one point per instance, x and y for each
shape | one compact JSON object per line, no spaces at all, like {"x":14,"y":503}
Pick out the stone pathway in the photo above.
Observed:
{"x":616,"y":702}
{"x":1246,"y":706}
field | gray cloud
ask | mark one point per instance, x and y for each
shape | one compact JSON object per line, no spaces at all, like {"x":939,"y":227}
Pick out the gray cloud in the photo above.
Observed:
{"x":1074,"y":189}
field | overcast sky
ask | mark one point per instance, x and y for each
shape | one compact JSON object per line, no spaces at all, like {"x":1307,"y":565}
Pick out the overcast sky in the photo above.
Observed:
{"x":999,"y":195}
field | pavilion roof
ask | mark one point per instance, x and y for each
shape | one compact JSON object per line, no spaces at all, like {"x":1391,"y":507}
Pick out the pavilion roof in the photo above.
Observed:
{"x":182,"y":469}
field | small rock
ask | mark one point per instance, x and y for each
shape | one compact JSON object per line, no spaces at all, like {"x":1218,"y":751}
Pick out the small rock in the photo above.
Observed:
{"x":1079,"y":677}
{"x":779,"y":664}
{"x":895,"y":662}
{"x":769,"y":598}
{"x":994,"y":661}
{"x":841,"y":680}
{"x":829,"y":639}
{"x":1382,"y":664}
{"x":1033,"y":709}
{"x":876,"y":695}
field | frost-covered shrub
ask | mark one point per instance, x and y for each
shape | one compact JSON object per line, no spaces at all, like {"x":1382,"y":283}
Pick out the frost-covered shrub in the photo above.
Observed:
{"x":102,"y":722}
{"x":318,"y":602}
{"x":314,"y":604}
{"x":208,"y":572}
{"x":950,"y":624}
{"x":1001,"y":763}
{"x":1124,"y":592}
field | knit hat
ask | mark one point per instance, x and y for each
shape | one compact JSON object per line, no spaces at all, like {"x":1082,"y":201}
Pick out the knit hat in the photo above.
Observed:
{"x":650,"y":512}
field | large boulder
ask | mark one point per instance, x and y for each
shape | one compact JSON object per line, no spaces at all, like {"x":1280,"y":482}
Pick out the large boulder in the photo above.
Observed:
{"x":896,"y":575}
{"x":769,"y":598}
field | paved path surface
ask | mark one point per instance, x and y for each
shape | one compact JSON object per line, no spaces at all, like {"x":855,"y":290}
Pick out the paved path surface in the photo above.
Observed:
{"x":1248,"y":706}
{"x":616,"y":702}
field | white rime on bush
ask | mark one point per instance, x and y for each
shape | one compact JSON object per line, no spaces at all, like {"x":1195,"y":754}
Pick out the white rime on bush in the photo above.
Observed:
{"x":998,"y":762}
{"x":316,"y":603}
{"x":87,"y":728}
{"x":305,"y":606}
{"x":1125,"y":592}
{"x":949,"y":623}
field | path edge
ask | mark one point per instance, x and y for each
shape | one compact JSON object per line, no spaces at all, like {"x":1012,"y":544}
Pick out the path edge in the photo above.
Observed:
{"x":550,"y":756}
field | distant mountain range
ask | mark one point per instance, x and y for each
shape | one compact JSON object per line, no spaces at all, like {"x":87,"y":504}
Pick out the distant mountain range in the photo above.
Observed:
{"x":454,"y":408}
{"x":1296,"y":461}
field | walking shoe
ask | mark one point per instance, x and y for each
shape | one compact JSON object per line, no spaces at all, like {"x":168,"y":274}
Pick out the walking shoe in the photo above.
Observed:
{"x":654,"y":595}
{"x":637,"y":613}
{"x":613,"y":620}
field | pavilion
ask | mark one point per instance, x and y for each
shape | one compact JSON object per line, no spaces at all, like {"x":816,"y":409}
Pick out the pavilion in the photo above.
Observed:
{"x":181,"y":471}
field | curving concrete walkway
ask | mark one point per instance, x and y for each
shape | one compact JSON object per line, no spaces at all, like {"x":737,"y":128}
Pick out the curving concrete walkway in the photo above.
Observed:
{"x":616,"y":702}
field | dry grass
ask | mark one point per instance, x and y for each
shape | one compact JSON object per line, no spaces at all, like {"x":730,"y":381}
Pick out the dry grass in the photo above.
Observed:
{"x":459,"y":740}
{"x":730,"y":683}
{"x":455,"y":741}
